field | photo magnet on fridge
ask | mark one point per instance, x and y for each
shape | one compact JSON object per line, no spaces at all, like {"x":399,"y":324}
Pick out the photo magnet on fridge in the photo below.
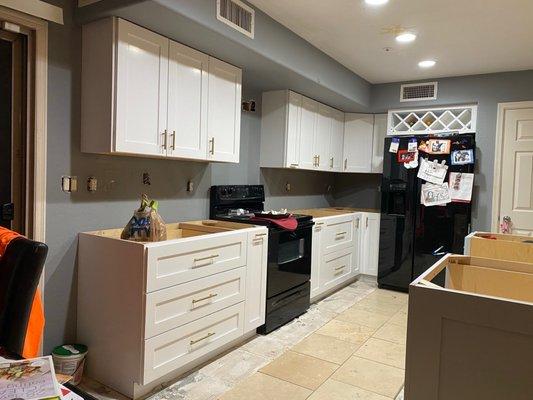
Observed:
{"x":438,"y":146}
{"x":394,"y":144}
{"x":405,"y":156}
{"x":412,"y":146}
{"x":462,"y":157}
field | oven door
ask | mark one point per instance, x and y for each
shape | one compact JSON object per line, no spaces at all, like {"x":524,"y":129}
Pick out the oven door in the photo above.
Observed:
{"x":289,"y":259}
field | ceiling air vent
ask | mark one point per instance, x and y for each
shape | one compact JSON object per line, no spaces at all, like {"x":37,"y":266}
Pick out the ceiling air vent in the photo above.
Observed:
{"x":419,"y":91}
{"x":237,"y":15}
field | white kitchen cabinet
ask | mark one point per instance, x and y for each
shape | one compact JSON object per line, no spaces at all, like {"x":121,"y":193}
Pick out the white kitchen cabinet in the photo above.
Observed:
{"x":141,"y":102}
{"x":369,"y":243}
{"x":171,"y":305}
{"x":308,"y":134}
{"x":256,"y":278}
{"x":224,"y":111}
{"x":378,"y":142}
{"x":335,"y":252}
{"x":336,"y":144}
{"x":187,"y":102}
{"x":323,"y":137}
{"x":145,"y":95}
{"x":316,"y":258}
{"x":358,"y":141}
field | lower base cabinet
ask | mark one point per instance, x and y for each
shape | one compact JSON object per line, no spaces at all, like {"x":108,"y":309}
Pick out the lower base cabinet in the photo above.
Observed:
{"x":344,"y":246}
{"x":150,"y":312}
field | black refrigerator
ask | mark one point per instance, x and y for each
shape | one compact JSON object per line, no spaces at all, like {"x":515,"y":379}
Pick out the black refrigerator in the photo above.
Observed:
{"x":412,"y":236}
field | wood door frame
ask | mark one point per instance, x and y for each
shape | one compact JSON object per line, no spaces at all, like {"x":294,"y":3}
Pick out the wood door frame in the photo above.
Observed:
{"x":498,"y":155}
{"x":37,"y":31}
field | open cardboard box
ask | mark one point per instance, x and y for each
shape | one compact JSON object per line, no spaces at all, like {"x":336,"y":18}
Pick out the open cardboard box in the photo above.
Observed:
{"x":472,"y":338}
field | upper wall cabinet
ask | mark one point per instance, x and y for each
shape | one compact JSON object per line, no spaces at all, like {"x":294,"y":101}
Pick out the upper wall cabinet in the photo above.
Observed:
{"x":146,"y":95}
{"x":299,"y":132}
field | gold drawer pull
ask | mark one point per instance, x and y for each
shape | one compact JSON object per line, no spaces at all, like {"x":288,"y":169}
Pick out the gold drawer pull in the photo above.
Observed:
{"x":260,"y":234}
{"x":206,"y":258}
{"x":202,"y":338}
{"x":211,"y":295}
{"x":340,"y":233}
{"x":341,"y":267}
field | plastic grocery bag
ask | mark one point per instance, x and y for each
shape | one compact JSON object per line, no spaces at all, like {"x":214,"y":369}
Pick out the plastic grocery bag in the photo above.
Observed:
{"x":146,"y":225}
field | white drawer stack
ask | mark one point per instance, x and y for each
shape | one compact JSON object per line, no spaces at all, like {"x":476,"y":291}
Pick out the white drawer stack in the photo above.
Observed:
{"x":161,"y":308}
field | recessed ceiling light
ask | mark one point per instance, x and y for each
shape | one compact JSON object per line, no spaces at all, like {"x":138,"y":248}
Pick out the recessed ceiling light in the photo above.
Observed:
{"x":427,"y":63}
{"x":376,"y":2}
{"x":405,"y":37}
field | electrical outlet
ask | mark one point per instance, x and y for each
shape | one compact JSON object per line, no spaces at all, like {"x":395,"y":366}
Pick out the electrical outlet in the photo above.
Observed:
{"x":69,"y":184}
{"x":190,"y":186}
{"x":288,"y":187}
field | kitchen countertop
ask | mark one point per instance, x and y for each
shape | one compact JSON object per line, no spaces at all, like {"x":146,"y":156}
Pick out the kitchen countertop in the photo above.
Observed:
{"x":332,"y":211}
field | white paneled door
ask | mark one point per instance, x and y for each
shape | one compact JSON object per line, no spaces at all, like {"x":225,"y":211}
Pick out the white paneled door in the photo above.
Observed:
{"x":516,"y":176}
{"x":224,"y":111}
{"x":336,"y":143}
{"x":187,"y":102}
{"x":358,"y":142}
{"x":142,"y":73}
{"x":308,"y":127}
{"x":323,"y":136}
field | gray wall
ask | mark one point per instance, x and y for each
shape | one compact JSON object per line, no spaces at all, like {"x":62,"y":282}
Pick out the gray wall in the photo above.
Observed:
{"x":485,"y":90}
{"x":121,"y":184}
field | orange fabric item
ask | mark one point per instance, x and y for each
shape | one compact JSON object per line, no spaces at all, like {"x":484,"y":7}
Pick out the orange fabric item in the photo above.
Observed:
{"x":35,"y":329}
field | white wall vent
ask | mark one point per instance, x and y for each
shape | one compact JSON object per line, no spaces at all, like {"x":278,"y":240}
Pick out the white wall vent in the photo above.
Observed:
{"x":419,"y":91}
{"x":237,"y":15}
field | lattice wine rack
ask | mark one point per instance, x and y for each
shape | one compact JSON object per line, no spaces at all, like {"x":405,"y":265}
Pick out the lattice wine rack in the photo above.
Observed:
{"x":460,"y":119}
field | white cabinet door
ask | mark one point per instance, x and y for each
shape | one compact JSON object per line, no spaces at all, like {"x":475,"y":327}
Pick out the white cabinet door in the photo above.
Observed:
{"x":187,"y":102}
{"x":337,"y":141}
{"x":380,"y":132}
{"x":357,"y":226}
{"x":294,"y":120}
{"x":316,"y":257}
{"x":224,"y":111}
{"x":141,"y":92}
{"x":308,"y":133}
{"x":256,"y":279}
{"x":322,"y":137}
{"x":370,"y":243}
{"x":358,"y":138}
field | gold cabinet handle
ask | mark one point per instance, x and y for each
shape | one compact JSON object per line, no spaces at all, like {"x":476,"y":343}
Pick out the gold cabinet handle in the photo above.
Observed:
{"x":173,"y":140}
{"x":340,"y":233}
{"x":164,"y":134}
{"x":331,"y":162}
{"x":345,"y":163}
{"x":260,"y":234}
{"x":341,"y":267}
{"x":212,"y":145}
{"x":206,"y":258}
{"x":210,"y":296}
{"x":357,"y":223}
{"x":367,"y":222}
{"x":294,"y":165}
{"x":318,"y":162}
{"x":202,"y":338}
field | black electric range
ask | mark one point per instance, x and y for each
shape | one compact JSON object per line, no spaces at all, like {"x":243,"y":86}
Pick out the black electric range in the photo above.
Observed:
{"x":289,"y":252}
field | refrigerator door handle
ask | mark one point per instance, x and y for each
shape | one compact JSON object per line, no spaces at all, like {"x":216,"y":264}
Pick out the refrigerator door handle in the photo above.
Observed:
{"x":438,"y":252}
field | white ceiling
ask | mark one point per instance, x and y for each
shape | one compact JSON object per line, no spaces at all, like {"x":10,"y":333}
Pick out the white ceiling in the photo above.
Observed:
{"x":465,"y":37}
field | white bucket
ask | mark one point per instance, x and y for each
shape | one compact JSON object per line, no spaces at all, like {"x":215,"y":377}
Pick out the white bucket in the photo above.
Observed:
{"x":70,"y":365}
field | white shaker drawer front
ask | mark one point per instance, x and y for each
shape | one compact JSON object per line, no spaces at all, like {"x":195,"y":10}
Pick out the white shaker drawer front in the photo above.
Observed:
{"x":336,"y":268}
{"x":173,"y":264}
{"x":178,"y":305}
{"x":338,"y":234}
{"x":174,"y":349}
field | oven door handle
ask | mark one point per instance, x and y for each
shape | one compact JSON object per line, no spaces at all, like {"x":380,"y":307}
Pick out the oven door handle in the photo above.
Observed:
{"x":295,"y":294}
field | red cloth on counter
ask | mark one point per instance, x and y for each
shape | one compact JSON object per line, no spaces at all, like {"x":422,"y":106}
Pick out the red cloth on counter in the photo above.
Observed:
{"x":289,"y":223}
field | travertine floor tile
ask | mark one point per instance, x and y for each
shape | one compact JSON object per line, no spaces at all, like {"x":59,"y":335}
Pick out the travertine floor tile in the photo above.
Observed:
{"x":264,"y":387}
{"x":359,"y":316}
{"x":326,"y":348}
{"x":266,"y":346}
{"x":235,"y":366}
{"x":390,"y":296}
{"x":392,"y":333}
{"x":400,"y":318}
{"x":306,"y":371}
{"x":350,"y":332}
{"x":335,"y":390}
{"x":377,"y":305}
{"x":383,"y":351}
{"x":371,"y":375}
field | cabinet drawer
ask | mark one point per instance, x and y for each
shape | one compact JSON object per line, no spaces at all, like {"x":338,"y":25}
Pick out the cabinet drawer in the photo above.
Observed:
{"x":338,"y":234}
{"x":174,"y":349}
{"x":173,"y":264}
{"x":336,"y":268}
{"x":175,"y":306}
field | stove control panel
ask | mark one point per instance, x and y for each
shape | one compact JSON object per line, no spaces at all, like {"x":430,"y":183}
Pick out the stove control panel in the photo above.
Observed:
{"x":226,"y":193}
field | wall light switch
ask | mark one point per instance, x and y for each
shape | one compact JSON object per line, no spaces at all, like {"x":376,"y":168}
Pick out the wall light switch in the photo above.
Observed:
{"x":69,"y":184}
{"x":288,"y":187}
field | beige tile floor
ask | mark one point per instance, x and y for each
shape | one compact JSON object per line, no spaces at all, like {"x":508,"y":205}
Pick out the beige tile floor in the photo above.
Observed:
{"x":349,"y":346}
{"x":358,"y":354}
